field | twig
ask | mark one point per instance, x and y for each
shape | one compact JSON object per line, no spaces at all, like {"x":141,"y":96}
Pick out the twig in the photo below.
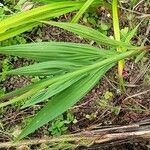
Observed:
{"x":111,"y":84}
{"x":138,"y":94}
{"x":143,"y":16}
{"x":141,"y":1}
{"x":139,"y":76}
{"x":132,"y":11}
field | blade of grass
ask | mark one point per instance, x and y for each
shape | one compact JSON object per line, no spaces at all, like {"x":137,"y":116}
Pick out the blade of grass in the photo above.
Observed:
{"x":81,"y":11}
{"x":89,"y":33}
{"x":57,"y":51}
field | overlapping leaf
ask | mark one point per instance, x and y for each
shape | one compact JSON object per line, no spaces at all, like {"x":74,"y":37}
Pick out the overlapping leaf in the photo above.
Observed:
{"x":24,"y":21}
{"x":82,"y":10}
{"x":68,"y":97}
{"x":69,"y":93}
{"x":73,"y":93}
{"x":46,"y":68}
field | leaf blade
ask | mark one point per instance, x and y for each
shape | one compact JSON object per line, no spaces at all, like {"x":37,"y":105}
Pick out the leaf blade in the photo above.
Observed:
{"x":81,"y":11}
{"x":89,"y":33}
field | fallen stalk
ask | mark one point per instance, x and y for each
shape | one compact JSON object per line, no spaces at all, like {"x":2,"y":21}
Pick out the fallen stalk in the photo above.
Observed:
{"x":98,"y":136}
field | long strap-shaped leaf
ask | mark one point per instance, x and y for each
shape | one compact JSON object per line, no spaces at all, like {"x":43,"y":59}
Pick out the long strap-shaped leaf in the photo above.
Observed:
{"x":46,"y":68}
{"x":82,"y":10}
{"x":15,"y":31}
{"x":35,"y":14}
{"x":22,"y":27}
{"x":89,"y":33}
{"x":46,"y":51}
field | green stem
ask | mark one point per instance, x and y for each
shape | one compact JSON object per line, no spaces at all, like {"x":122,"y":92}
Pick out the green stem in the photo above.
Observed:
{"x":116,"y":20}
{"x":117,"y":37}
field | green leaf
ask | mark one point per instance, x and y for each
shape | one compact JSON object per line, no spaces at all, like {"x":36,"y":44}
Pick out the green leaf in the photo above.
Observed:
{"x":46,"y":51}
{"x":89,"y":33}
{"x":15,"y":31}
{"x":82,"y":10}
{"x":36,"y":14}
{"x":46,"y":68}
{"x":51,"y":91}
{"x":21,"y":22}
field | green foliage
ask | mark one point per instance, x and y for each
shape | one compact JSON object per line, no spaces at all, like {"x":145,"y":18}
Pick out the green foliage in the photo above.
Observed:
{"x":91,"y":116}
{"x":82,"y":10}
{"x":108,"y":95}
{"x":60,"y":125}
{"x":13,"y":41}
{"x":5,"y":67}
{"x":92,"y":18}
{"x":105,"y":103}
{"x":70,"y":70}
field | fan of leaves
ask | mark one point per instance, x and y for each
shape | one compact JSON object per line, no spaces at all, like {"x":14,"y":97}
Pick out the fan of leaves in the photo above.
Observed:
{"x":71,"y":70}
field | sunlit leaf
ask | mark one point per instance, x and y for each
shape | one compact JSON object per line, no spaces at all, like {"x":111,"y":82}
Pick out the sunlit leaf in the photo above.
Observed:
{"x":82,"y":10}
{"x":89,"y":33}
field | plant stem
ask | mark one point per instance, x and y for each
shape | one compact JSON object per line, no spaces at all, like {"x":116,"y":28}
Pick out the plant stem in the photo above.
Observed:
{"x":117,"y":37}
{"x":89,"y":137}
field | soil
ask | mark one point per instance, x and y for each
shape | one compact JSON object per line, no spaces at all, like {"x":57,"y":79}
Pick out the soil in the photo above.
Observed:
{"x":137,"y":79}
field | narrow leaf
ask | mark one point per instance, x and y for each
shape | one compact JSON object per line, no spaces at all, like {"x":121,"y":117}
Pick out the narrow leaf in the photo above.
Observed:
{"x":46,"y":51}
{"x":51,"y":91}
{"x":46,"y":68}
{"x":89,"y":33}
{"x":82,"y":10}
